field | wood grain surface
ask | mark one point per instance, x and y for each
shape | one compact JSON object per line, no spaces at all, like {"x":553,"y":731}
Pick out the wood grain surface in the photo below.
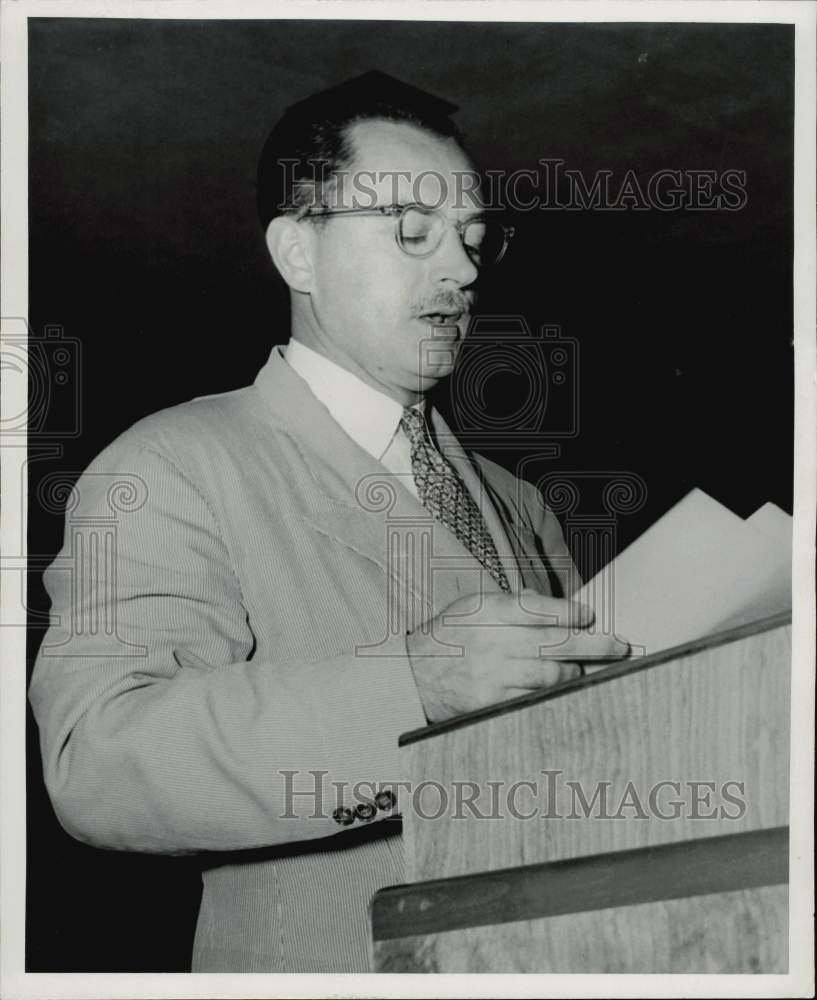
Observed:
{"x":624,"y":878}
{"x":717,"y":716}
{"x":737,"y":932}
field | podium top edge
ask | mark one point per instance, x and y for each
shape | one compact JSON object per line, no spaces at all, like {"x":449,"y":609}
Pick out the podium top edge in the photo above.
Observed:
{"x":602,"y":676}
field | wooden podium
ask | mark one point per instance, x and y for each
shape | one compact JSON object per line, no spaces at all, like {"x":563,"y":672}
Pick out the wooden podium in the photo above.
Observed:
{"x":634,"y":820}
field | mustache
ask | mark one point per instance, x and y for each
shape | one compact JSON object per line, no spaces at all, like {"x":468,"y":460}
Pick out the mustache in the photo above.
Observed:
{"x":445,"y":301}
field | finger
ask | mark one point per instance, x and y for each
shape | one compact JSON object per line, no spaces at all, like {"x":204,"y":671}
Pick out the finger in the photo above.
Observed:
{"x":560,"y":671}
{"x":556,"y":643}
{"x":535,"y":674}
{"x":529,"y":607}
{"x":552,"y":643}
{"x":585,"y":646}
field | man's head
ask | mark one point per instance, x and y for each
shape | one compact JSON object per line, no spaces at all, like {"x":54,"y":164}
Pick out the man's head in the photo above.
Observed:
{"x":359,"y":294}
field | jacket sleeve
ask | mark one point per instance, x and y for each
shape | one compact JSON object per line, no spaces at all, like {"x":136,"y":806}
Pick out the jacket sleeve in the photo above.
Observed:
{"x":160,"y":731}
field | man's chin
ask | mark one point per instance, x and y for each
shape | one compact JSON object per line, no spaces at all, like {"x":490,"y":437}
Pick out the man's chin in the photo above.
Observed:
{"x":432,"y":372}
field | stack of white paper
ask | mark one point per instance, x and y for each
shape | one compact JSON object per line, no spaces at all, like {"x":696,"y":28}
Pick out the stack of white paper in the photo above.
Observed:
{"x":698,"y":570}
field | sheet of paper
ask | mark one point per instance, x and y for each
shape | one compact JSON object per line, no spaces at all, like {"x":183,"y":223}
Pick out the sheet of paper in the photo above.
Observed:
{"x":699,"y":569}
{"x":772,"y":521}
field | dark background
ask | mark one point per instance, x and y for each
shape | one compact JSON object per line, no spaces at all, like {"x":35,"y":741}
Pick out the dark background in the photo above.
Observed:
{"x":146,"y":255}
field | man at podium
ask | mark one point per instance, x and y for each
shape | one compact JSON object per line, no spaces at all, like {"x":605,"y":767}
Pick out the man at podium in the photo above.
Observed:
{"x":313,"y":565}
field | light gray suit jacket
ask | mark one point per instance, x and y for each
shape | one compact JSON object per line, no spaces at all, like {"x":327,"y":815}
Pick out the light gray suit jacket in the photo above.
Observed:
{"x":256,"y":577}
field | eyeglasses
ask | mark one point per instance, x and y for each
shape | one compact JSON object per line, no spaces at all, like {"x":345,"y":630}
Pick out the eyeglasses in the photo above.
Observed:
{"x":419,"y":230}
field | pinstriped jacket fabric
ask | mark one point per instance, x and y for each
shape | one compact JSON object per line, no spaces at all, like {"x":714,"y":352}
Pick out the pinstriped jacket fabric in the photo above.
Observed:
{"x":246,"y":642}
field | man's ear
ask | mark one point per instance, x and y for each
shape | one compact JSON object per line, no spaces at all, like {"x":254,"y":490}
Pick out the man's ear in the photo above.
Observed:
{"x":289,"y":246}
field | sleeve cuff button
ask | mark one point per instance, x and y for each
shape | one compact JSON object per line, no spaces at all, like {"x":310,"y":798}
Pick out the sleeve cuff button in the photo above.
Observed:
{"x":385,"y":800}
{"x":344,"y":816}
{"x":365,"y":811}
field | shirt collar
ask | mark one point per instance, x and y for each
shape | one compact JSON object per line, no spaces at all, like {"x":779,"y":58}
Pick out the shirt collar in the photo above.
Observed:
{"x":368,"y":416}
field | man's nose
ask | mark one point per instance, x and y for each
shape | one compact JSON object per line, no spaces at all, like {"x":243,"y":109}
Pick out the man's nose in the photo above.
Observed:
{"x":452,"y":260}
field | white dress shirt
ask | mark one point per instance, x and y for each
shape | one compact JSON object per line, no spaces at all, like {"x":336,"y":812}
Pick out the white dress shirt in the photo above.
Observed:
{"x":368,"y":416}
{"x":372,"y":421}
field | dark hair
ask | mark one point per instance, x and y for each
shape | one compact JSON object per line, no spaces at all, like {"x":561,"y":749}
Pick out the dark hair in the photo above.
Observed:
{"x":312,"y":140}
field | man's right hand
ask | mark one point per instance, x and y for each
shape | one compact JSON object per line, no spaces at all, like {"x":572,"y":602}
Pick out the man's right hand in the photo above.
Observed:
{"x":511,"y":644}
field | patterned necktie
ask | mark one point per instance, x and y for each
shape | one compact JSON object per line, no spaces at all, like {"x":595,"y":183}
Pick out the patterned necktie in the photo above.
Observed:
{"x":445,"y":496}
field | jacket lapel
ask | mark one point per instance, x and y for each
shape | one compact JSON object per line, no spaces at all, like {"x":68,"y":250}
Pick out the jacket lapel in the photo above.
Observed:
{"x":352,"y":498}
